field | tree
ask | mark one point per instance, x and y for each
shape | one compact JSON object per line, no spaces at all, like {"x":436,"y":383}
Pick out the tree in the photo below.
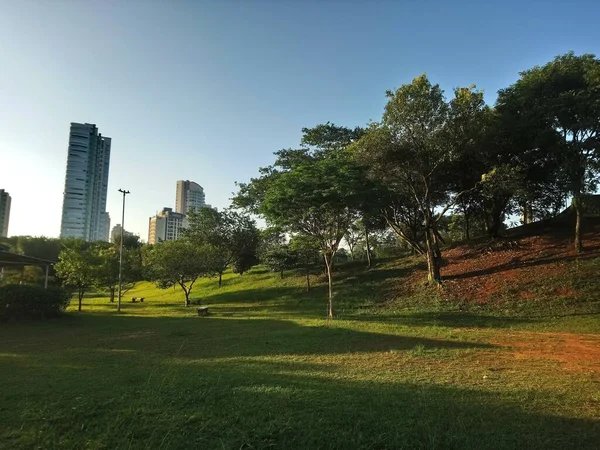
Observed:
{"x":76,"y":267}
{"x":107,"y":274}
{"x":233,"y":238}
{"x":412,"y":152}
{"x":307,"y":256}
{"x":179,"y":262}
{"x":352,"y":237}
{"x":310,"y":191}
{"x":280,"y":258}
{"x":557,"y":107}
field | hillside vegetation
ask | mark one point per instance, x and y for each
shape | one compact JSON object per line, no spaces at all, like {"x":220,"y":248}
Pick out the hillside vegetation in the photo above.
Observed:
{"x":506,"y":354}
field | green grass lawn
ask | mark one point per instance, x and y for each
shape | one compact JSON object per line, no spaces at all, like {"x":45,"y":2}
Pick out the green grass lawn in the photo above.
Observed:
{"x":265,"y":370}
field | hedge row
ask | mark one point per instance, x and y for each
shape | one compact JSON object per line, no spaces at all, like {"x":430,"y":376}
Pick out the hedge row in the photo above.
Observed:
{"x":25,"y":302}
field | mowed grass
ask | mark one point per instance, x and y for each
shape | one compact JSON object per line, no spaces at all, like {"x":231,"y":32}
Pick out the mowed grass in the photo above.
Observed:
{"x":265,"y":370}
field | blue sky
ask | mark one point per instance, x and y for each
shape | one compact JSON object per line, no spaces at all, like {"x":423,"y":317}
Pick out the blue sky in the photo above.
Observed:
{"x":207,"y":91}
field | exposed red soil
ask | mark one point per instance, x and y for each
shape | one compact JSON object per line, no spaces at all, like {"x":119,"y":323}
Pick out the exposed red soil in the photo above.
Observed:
{"x":580,"y":353}
{"x":477,"y":272}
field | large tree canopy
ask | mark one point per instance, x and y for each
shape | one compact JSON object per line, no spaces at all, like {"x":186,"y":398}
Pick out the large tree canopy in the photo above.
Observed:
{"x":556,"y":108}
{"x":413,"y":152}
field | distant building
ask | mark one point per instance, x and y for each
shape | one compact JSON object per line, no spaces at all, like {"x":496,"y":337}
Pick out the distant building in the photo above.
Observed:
{"x":166,"y":225}
{"x":104,"y":230}
{"x":4,"y":212}
{"x":189,"y":196}
{"x":115,"y":234}
{"x":84,"y":213}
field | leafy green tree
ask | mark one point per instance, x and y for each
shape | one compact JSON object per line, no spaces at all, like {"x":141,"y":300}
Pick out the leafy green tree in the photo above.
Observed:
{"x":353,"y":237}
{"x":413,"y":153}
{"x":556,"y":106}
{"x":179,"y":262}
{"x":281,"y":258}
{"x":107,"y":274}
{"x":233,"y":238}
{"x":307,"y":256}
{"x":77,"y":267}
{"x":310,"y":191}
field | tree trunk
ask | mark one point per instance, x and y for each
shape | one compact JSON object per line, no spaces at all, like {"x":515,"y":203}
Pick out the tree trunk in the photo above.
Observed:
{"x":80,"y":298}
{"x":307,"y":280}
{"x":467,"y":236}
{"x":328,"y":264}
{"x":433,"y":260}
{"x":187,"y":298}
{"x":281,"y":274}
{"x":220,"y":278}
{"x":369,"y":262}
{"x":579,"y":213}
{"x":112,"y":294}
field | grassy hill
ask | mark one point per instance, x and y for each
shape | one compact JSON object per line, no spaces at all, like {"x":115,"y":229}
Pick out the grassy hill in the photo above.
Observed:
{"x":505,"y":355}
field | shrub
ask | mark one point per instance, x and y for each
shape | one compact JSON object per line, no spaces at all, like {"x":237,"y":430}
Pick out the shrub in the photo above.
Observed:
{"x":25,"y":301}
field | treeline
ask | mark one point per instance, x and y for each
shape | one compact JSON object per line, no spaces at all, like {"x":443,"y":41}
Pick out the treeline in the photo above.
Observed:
{"x":429,"y":156}
{"x":432,"y":168}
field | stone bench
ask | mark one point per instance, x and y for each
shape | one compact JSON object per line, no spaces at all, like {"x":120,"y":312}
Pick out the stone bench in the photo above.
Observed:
{"x":203,"y":311}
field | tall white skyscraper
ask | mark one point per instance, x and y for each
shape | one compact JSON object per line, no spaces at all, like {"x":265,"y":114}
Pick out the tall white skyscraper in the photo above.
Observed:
{"x":4,"y":212}
{"x":84,"y":213}
{"x":189,"y":196}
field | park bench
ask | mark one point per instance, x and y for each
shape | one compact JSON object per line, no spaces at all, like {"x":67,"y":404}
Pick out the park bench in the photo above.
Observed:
{"x":135,"y":299}
{"x":203,"y":311}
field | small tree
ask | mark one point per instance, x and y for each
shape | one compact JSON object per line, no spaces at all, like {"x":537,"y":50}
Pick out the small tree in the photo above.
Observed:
{"x":179,"y":262}
{"x":107,"y":274}
{"x":232,"y":237}
{"x":280,"y":258}
{"x":312,"y":192}
{"x":77,"y":268}
{"x":307,"y":255}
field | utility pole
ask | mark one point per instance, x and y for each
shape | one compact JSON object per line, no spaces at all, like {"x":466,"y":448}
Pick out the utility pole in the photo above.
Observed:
{"x":121,"y":249}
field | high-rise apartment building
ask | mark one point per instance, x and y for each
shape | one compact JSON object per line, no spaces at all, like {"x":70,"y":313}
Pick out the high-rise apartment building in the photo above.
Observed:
{"x":4,"y":212}
{"x":189,"y":196}
{"x":84,"y":213}
{"x":115,"y":234}
{"x":166,"y":225}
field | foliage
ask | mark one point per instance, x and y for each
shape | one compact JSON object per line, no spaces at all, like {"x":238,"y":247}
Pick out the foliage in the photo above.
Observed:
{"x":180,"y":262}
{"x":232,"y":238}
{"x":280,"y":258}
{"x":413,"y":151}
{"x":107,"y":271}
{"x":77,"y":267}
{"x":26,"y":301}
{"x":313,"y":191}
{"x":554,"y":109}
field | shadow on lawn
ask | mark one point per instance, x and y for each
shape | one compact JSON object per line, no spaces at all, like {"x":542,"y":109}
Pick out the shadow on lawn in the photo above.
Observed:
{"x":211,"y":337}
{"x":183,"y":382}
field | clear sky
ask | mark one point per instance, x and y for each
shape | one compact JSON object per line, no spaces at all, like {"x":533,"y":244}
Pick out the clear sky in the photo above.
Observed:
{"x":206,"y":91}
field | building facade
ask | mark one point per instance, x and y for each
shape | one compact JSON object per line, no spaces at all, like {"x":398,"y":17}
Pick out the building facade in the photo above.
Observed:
{"x":4,"y":212}
{"x":167,"y":225}
{"x":115,"y":234}
{"x":84,"y":213}
{"x":189,"y":196}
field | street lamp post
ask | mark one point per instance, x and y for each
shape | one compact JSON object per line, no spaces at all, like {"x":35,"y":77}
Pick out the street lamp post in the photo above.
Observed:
{"x":121,"y":249}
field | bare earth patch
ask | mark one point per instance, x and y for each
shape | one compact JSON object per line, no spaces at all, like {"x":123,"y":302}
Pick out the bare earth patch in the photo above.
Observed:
{"x":579,"y":353}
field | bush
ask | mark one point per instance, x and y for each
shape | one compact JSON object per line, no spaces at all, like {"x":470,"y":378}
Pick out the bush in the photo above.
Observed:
{"x":25,"y":301}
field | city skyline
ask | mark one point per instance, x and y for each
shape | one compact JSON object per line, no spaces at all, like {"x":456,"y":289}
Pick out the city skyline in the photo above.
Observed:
{"x":223,"y":86}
